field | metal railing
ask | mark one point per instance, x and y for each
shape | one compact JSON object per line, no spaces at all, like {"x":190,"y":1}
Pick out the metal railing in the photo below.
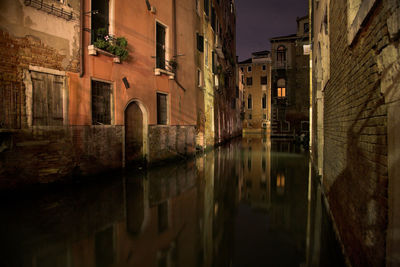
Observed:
{"x":49,"y":8}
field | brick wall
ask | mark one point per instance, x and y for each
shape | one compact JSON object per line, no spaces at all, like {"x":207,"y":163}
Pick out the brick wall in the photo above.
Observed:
{"x":166,"y":142}
{"x":48,"y":154}
{"x":355,"y":161}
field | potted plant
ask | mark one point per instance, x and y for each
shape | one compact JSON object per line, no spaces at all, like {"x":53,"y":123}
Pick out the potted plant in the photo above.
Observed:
{"x":116,"y":46}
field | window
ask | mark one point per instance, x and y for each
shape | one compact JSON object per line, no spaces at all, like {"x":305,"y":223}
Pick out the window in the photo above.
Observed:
{"x":264,"y":67}
{"x":264,"y":80}
{"x":281,"y":54}
{"x":161,"y":109}
{"x":249,"y":102}
{"x":249,"y":81}
{"x":206,"y":7}
{"x":200,"y":42}
{"x":47,"y":97}
{"x":101,"y":103}
{"x":213,"y":62}
{"x":199,"y":78}
{"x":160,"y":46}
{"x":100,"y":17}
{"x":281,"y":91}
{"x":248,"y":68}
{"x":264,"y":102}
{"x":241,"y":69}
{"x":306,"y":28}
{"x":242,"y":78}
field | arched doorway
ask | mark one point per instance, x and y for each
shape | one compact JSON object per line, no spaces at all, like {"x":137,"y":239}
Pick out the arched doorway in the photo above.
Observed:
{"x":135,"y":133}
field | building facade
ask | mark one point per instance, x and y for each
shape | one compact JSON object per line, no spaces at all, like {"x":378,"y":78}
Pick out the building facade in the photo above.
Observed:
{"x":290,"y":82}
{"x":255,"y":82}
{"x":355,"y":145}
{"x":94,"y":85}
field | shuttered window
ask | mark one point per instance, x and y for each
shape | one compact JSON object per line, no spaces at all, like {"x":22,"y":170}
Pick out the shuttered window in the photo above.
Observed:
{"x":101,"y":103}
{"x":47,"y":99}
{"x":160,"y":46}
{"x":161,"y":109}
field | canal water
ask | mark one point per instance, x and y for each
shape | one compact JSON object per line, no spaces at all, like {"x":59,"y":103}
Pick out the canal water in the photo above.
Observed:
{"x":252,"y":202}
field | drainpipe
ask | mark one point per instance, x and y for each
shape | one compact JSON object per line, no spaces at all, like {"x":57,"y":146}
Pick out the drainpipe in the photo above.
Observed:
{"x":82,"y":72}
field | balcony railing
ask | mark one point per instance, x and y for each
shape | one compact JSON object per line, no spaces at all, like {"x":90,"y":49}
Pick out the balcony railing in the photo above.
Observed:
{"x":49,"y":8}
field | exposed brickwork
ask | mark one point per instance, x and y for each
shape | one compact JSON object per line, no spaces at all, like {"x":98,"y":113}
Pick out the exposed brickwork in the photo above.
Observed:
{"x":48,"y":154}
{"x":355,"y":161}
{"x":167,"y":142}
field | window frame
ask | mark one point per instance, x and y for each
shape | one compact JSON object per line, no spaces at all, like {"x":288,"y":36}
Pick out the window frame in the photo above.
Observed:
{"x":166,"y":42}
{"x":112,"y":88}
{"x":167,"y":107}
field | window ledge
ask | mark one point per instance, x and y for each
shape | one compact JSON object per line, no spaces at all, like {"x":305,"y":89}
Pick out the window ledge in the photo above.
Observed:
{"x":94,"y":50}
{"x":159,"y":72}
{"x":359,"y":20}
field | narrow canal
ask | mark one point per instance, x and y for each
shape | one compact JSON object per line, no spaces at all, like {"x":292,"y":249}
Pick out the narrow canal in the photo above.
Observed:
{"x":252,"y":202}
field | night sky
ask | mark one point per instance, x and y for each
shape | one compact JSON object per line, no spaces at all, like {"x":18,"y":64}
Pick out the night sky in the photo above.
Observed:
{"x":259,"y":20}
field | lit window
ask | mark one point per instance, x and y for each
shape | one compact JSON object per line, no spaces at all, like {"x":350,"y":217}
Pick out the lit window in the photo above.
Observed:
{"x":281,"y":92}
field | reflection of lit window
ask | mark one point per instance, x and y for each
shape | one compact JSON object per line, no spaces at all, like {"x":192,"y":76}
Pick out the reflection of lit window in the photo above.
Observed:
{"x":280,"y":183}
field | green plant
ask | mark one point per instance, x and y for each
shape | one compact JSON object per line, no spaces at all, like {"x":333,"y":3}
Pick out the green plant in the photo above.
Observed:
{"x":115,"y":46}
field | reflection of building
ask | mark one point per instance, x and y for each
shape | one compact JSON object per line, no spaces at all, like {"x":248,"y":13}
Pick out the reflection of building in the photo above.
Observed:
{"x":290,"y":82}
{"x":255,"y":79}
{"x":256,"y":165}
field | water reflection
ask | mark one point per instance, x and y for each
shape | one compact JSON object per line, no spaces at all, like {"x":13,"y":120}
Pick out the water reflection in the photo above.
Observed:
{"x":248,"y":203}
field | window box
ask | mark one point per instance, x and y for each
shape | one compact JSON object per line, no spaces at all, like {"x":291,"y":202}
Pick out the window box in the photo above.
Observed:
{"x":94,"y":50}
{"x":159,"y":72}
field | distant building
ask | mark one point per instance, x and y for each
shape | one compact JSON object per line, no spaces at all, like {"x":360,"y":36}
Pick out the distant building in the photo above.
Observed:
{"x":255,"y":81}
{"x":290,"y":82}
